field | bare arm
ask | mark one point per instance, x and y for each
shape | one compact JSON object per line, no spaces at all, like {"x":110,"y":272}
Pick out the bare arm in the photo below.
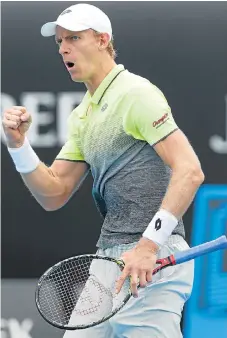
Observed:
{"x":53,"y":186}
{"x":187,"y":174}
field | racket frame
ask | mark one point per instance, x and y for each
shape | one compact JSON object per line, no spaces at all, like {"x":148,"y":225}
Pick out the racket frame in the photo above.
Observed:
{"x":178,"y":258}
{"x":119,"y":262}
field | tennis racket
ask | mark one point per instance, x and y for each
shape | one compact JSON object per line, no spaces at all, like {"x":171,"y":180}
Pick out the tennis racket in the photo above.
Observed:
{"x":79,"y":292}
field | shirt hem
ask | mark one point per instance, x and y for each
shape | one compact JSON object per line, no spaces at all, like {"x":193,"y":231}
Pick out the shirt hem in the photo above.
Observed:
{"x":104,"y":243}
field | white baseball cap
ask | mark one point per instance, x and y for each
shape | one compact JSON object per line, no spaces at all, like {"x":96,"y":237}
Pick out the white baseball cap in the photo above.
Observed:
{"x":78,"y":18}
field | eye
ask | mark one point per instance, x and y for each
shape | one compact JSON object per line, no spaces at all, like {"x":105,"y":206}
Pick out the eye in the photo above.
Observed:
{"x":58,"y":42}
{"x":75,"y":37}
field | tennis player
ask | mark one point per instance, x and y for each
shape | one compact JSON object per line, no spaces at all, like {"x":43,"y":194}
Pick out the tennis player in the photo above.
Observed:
{"x":145,"y":173}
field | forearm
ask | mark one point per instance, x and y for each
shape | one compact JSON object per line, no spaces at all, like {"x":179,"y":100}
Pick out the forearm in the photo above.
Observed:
{"x":43,"y":182}
{"x":46,"y":187}
{"x":181,"y":191}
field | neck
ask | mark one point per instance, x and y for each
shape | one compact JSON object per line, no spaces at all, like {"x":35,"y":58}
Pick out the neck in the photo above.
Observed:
{"x":103,"y":70}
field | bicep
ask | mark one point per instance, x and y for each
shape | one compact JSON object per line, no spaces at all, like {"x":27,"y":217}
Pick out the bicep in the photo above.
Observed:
{"x":176,"y":151}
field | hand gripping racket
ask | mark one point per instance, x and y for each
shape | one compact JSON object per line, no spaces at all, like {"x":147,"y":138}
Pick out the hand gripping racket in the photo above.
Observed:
{"x":79,"y":292}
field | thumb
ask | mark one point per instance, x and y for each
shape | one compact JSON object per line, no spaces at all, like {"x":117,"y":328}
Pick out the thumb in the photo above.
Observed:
{"x":26,"y":117}
{"x":26,"y":121}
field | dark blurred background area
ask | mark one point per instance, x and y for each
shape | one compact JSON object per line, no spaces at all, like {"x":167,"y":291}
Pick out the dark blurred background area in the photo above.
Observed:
{"x":181,"y":47}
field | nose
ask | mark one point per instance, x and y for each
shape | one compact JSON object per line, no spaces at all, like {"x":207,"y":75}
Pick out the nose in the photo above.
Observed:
{"x":64,"y":49}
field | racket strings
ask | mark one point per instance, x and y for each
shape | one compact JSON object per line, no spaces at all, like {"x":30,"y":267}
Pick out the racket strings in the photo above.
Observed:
{"x":88,"y":304}
{"x":75,"y":291}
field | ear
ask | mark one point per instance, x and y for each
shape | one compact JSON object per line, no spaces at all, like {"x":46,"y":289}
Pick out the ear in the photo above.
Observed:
{"x":104,"y":40}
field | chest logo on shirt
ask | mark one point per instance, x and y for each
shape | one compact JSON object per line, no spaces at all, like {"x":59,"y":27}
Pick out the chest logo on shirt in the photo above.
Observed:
{"x":161,"y":121}
{"x":104,"y":107}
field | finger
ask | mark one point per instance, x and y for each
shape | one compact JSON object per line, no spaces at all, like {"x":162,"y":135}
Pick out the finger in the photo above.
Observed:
{"x":143,"y":279}
{"x":149,"y":276}
{"x":21,"y":108}
{"x":10,"y":124}
{"x":121,"y":280}
{"x":13,"y":112}
{"x":11,"y":117}
{"x":134,"y":284}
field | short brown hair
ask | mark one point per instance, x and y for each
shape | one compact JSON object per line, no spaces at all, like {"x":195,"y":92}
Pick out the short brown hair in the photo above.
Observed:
{"x":110,"y":48}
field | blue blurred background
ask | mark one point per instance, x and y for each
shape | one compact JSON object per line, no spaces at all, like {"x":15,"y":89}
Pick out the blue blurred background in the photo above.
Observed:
{"x":179,"y":46}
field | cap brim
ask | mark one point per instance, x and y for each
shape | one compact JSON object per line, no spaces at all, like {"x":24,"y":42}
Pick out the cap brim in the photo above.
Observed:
{"x":49,"y":28}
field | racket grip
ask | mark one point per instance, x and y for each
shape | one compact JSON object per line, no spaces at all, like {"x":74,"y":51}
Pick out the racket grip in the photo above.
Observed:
{"x":187,"y":255}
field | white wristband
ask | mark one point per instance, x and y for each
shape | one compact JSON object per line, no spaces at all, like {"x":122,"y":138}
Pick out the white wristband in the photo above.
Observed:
{"x":24,"y":158}
{"x":161,"y":227}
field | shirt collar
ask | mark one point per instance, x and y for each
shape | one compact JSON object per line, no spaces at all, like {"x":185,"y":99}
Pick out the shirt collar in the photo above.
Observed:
{"x":104,"y":85}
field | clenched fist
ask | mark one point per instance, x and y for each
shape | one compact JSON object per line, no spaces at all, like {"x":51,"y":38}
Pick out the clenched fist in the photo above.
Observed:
{"x":16,"y":121}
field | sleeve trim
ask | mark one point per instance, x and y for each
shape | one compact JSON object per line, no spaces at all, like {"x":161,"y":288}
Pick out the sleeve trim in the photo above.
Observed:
{"x":154,"y":144}
{"x":65,"y":159}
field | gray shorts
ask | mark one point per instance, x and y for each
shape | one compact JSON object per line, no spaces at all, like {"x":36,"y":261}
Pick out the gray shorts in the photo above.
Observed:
{"x":156,"y":313}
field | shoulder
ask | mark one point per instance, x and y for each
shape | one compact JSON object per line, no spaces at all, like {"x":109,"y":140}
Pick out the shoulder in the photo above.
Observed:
{"x":138,"y":87}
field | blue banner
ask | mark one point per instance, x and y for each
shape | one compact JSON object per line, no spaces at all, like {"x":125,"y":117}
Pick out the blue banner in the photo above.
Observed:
{"x":206,"y":311}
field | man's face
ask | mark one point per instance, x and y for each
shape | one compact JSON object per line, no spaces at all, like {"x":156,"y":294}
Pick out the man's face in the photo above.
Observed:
{"x":79,"y":51}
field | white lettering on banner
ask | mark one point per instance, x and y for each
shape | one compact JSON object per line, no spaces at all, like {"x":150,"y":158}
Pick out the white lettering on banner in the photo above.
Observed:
{"x":217,"y":143}
{"x":12,"y":328}
{"x":49,"y":124}
{"x":40,"y":118}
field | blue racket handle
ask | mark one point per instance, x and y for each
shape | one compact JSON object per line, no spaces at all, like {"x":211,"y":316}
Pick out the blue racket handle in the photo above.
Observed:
{"x":196,"y":251}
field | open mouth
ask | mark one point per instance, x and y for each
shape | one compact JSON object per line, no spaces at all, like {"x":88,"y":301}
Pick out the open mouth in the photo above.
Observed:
{"x":69,"y":64}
